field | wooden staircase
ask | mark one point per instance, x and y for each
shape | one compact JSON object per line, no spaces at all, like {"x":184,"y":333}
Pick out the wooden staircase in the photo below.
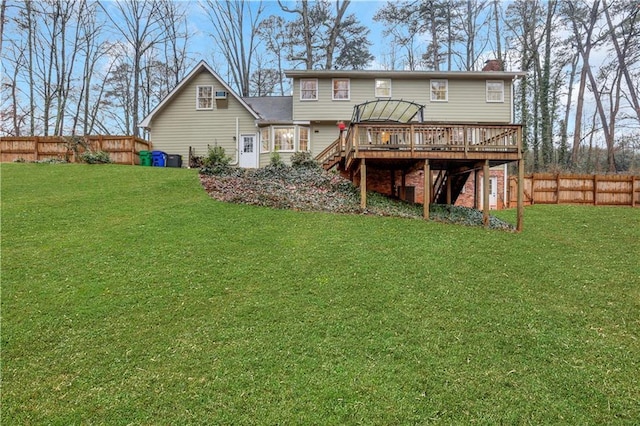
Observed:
{"x":332,"y":155}
{"x":457,"y":177}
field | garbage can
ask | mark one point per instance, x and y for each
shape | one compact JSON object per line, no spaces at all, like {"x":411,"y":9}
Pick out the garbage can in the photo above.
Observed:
{"x":174,"y":160}
{"x":158,"y":158}
{"x":145,"y":158}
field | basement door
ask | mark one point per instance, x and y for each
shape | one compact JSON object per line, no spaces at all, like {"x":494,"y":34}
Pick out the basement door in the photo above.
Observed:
{"x":493,"y":192}
{"x":248,"y":152}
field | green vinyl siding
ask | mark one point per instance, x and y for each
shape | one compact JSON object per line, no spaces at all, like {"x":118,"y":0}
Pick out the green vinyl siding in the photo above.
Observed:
{"x":466,"y":101}
{"x":180,"y":125}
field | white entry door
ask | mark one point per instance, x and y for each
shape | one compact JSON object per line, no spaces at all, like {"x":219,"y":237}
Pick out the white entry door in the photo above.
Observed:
{"x":248,"y":152}
{"x":493,"y":193}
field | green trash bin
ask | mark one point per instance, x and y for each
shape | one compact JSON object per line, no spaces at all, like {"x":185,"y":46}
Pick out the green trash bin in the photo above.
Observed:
{"x":145,"y":158}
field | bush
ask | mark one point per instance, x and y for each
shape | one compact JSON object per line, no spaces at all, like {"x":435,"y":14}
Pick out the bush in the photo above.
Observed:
{"x":95,"y":157}
{"x":303,"y":159}
{"x":217,"y":162}
{"x":217,"y":157}
{"x":276,"y":162}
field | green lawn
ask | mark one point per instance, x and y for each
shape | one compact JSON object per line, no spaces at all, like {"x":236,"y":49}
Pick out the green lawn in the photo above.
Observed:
{"x":131,"y":297}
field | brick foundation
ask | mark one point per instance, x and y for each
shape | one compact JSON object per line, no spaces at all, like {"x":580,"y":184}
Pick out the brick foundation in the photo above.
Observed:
{"x":389,"y":183}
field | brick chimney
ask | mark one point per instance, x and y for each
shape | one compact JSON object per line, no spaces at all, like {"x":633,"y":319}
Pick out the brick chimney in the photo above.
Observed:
{"x":493,"y":65}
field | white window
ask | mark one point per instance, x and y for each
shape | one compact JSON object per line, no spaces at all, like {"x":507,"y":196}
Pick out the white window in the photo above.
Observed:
{"x":283,"y":139}
{"x":383,"y":88}
{"x":265,"y":141}
{"x":308,"y":89}
{"x":495,"y":91}
{"x":303,"y":139}
{"x":341,"y":89}
{"x":440,"y":90}
{"x":204,"y":97}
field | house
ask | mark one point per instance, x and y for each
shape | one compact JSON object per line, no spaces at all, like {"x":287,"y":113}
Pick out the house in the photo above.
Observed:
{"x":459,"y":124}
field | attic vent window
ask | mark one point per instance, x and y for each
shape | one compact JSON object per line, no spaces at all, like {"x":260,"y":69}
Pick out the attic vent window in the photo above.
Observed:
{"x":204,"y":97}
{"x":221,"y":95}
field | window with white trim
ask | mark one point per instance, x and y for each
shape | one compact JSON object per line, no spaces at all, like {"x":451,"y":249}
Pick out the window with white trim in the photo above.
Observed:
{"x":383,"y":88}
{"x":303,"y":139}
{"x":265,"y":140}
{"x":439,"y":90}
{"x":284,"y":139}
{"x":204,"y":97}
{"x":341,"y":88}
{"x":495,"y":91}
{"x":308,"y":89}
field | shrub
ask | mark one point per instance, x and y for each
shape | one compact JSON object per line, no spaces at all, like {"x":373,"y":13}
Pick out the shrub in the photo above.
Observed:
{"x":217,"y":162}
{"x":95,"y":157}
{"x":276,"y":162}
{"x":217,"y":157}
{"x":303,"y":159}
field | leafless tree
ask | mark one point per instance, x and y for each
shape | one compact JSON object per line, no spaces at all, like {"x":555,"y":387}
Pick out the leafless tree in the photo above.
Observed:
{"x":234,"y":27}
{"x":139,"y":23}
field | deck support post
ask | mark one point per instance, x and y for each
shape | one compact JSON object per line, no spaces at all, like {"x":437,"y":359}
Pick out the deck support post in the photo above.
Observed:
{"x":427,"y":189}
{"x":392,"y":182}
{"x":403,"y":187}
{"x":520,"y":207}
{"x":448,"y":187}
{"x":363,"y":184}
{"x":476,"y":188}
{"x":485,"y":194}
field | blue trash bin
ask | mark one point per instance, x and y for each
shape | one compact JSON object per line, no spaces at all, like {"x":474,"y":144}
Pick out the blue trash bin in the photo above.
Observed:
{"x":158,"y":158}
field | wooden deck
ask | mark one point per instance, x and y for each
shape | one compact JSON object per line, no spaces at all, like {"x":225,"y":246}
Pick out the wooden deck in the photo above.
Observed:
{"x":451,"y":149}
{"x":443,"y":143}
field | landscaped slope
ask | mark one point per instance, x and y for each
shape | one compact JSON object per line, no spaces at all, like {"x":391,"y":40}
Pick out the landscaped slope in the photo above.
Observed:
{"x":129,"y":296}
{"x":314,"y":189}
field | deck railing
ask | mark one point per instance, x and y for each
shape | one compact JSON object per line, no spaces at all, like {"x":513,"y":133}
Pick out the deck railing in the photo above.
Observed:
{"x":437,"y":137}
{"x":418,"y":139}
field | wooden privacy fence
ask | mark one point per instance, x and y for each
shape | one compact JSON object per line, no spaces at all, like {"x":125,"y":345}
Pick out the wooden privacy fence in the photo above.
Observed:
{"x":121,"y":149}
{"x":605,"y":190}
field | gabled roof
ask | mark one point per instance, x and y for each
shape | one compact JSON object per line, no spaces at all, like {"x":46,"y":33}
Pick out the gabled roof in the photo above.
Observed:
{"x":202,"y":65}
{"x":272,"y":109}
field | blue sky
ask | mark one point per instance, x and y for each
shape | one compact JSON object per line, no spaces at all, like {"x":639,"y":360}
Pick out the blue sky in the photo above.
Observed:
{"x":201,"y":46}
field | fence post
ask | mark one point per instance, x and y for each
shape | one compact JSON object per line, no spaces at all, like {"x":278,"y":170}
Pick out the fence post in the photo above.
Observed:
{"x":133,"y":150}
{"x":557,"y":188}
{"x":633,"y":190}
{"x":533,"y":184}
{"x":595,"y":190}
{"x":35,"y":147}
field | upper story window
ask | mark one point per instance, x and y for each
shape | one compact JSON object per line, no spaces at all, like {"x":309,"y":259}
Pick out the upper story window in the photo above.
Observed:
{"x":440,"y":90}
{"x":383,"y":88}
{"x":495,"y":91}
{"x":308,"y":89}
{"x":204,"y":97}
{"x":341,"y":89}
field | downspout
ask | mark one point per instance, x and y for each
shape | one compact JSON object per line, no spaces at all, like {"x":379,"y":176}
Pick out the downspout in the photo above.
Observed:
{"x":513,"y":105}
{"x":236,"y":138}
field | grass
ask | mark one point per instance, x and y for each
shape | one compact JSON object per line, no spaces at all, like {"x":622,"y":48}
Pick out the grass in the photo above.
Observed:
{"x":131,"y":297}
